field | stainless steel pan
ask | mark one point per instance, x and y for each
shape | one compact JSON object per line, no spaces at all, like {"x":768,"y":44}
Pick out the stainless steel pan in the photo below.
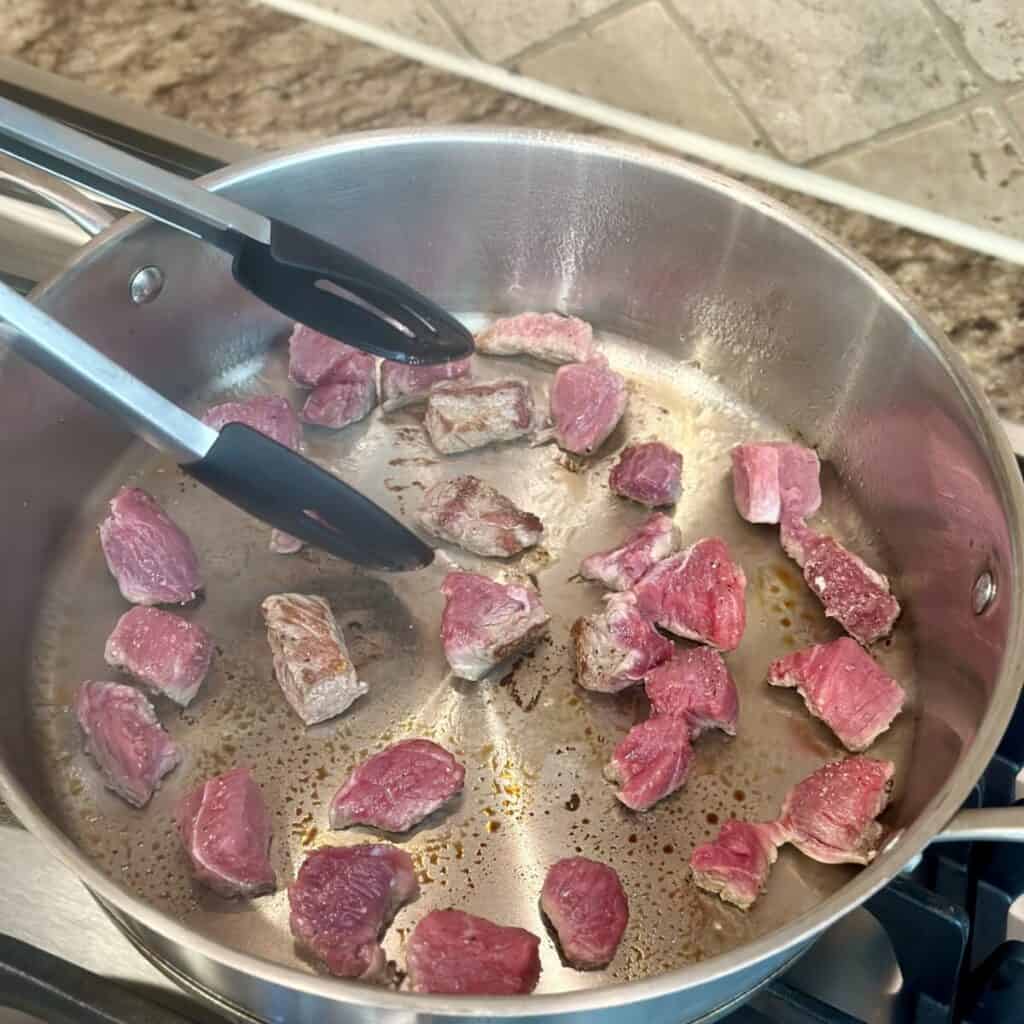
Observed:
{"x":732,"y":319}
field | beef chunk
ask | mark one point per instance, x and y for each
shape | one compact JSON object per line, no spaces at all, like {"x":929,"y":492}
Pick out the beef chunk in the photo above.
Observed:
{"x":547,"y":336}
{"x":852,"y":593}
{"x":649,"y":473}
{"x":695,"y":685}
{"x":651,"y":762}
{"x":311,"y":661}
{"x":472,"y":514}
{"x":774,"y":478}
{"x":587,"y":402}
{"x":830,"y":815}
{"x":270,"y":415}
{"x":125,"y":739}
{"x":164,"y":651}
{"x":616,"y":647}
{"x":454,"y":953}
{"x":618,"y":569}
{"x":342,"y":900}
{"x":398,"y":787}
{"x":225,"y":828}
{"x":463,"y":415}
{"x":735,"y":865}
{"x":402,"y":384}
{"x":697,"y":594}
{"x":147,"y":553}
{"x":485,"y":622}
{"x":315,"y":359}
{"x":843,"y":686}
{"x":587,"y":907}
{"x":336,"y":404}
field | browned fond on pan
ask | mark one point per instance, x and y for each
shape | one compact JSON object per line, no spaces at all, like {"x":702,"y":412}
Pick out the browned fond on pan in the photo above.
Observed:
{"x":533,"y":743}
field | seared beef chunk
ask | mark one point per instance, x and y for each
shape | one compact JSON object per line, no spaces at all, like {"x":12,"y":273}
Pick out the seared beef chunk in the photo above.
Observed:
{"x":472,"y":514}
{"x":342,"y":900}
{"x":225,"y":828}
{"x":454,"y":953}
{"x":697,"y":594}
{"x":164,"y":651}
{"x":398,"y":787}
{"x":650,"y":473}
{"x":485,"y":622}
{"x":843,"y":686}
{"x":147,"y":553}
{"x":463,"y":415}
{"x":311,"y":661}
{"x":402,"y":384}
{"x":736,"y":863}
{"x":547,"y":336}
{"x":618,"y":569}
{"x":586,"y":905}
{"x":125,"y":739}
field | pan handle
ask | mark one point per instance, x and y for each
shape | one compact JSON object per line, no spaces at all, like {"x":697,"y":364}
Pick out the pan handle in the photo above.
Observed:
{"x":73,"y":203}
{"x":985,"y":824}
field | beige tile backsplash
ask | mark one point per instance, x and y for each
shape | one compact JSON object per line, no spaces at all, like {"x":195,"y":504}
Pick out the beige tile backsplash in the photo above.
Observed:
{"x":922,"y":100}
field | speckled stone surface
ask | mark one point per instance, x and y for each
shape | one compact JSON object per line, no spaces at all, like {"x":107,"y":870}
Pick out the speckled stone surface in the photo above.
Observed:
{"x":268,"y":80}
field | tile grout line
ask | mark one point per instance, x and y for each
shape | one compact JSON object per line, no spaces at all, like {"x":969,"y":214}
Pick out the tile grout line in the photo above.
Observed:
{"x":955,"y":41}
{"x":992,"y":95}
{"x":724,"y":154}
{"x":704,"y":52}
{"x":454,"y":27}
{"x":570,"y":32}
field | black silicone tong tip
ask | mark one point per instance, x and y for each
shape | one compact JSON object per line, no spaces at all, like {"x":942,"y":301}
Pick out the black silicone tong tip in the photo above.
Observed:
{"x":265,"y":478}
{"x":337,"y":293}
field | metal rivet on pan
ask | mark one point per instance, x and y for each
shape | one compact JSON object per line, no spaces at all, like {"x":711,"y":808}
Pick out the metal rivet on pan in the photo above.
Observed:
{"x":146,"y":285}
{"x":984,"y":592}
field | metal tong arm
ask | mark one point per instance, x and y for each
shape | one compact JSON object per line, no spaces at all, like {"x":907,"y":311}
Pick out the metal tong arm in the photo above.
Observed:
{"x":60,"y":353}
{"x":165,"y":197}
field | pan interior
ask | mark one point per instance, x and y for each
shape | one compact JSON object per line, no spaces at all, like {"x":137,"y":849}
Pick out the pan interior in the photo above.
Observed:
{"x":533,"y":743}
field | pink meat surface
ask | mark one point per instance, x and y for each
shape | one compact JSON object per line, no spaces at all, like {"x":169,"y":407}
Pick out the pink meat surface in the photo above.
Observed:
{"x":468,"y":512}
{"x":651,"y":762}
{"x":454,"y":953}
{"x":225,"y":829}
{"x":695,"y":685}
{"x":485,"y":622}
{"x":587,"y":906}
{"x":125,"y":739}
{"x":336,"y":404}
{"x":164,"y":651}
{"x":775,"y":478}
{"x":398,"y":787}
{"x":587,"y":402}
{"x":618,"y":569}
{"x":830,"y":815}
{"x":735,"y":865}
{"x":147,"y":552}
{"x":271,"y":415}
{"x":650,"y":473}
{"x":548,"y":336}
{"x":463,"y":415}
{"x":852,"y":593}
{"x":401,"y":384}
{"x":616,"y":647}
{"x":315,"y":358}
{"x":282,"y":543}
{"x":342,"y":900}
{"x":843,"y":686}
{"x":697,"y":594}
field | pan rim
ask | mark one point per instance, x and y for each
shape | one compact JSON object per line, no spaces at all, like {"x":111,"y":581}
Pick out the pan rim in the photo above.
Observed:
{"x":939,"y":811}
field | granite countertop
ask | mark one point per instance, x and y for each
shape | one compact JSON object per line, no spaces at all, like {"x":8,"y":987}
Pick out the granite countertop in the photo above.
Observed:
{"x":251,"y":74}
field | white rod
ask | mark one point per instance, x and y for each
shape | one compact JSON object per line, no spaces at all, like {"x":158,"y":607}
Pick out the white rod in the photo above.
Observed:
{"x":723,"y":154}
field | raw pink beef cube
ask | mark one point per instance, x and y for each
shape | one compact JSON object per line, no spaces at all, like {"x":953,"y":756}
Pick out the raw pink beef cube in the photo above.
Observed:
{"x":547,"y":336}
{"x":618,"y":569}
{"x":772,"y":478}
{"x":736,"y":863}
{"x":695,"y":685}
{"x":650,"y":473}
{"x":651,"y":762}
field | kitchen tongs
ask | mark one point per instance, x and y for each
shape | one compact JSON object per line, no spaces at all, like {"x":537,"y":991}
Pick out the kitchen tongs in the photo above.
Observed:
{"x":240,"y":464}
{"x":305,"y":277}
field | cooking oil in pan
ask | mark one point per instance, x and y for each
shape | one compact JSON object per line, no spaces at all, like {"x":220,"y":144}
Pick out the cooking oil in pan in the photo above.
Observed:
{"x":533,"y":743}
